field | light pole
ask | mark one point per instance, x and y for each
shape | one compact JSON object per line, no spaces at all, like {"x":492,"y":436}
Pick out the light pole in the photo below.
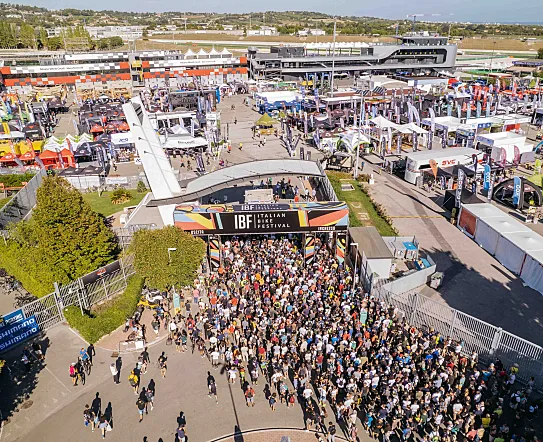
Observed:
{"x":333,"y":62}
{"x":355,"y":263}
{"x":355,"y":175}
{"x":171,"y":249}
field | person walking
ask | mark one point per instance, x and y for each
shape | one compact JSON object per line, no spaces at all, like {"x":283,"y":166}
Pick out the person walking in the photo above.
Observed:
{"x":162,"y":364}
{"x":141,"y":405}
{"x":250,"y":396}
{"x":96,"y":405}
{"x":118,"y":366}
{"x":89,"y":418}
{"x":134,"y":381}
{"x":331,"y":432}
{"x":181,"y":433}
{"x":151,"y":391}
{"x":114,"y":372}
{"x":273,"y":400}
{"x":213,"y":392}
{"x":103,"y":425}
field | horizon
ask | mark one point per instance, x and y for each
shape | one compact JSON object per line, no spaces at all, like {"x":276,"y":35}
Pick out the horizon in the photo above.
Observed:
{"x":483,"y":12}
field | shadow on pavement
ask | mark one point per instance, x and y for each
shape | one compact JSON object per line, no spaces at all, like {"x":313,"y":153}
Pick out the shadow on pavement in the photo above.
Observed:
{"x":17,"y":379}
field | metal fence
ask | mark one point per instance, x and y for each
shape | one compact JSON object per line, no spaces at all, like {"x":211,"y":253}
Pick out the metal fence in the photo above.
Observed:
{"x":488,"y":341}
{"x":99,"y":287}
{"x":18,"y":207}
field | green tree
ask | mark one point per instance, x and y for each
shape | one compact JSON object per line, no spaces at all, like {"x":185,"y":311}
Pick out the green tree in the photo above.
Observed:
{"x":7,"y":35}
{"x":540,"y":53}
{"x":160,"y":268}
{"x":65,"y":234}
{"x":54,"y":43}
{"x":115,"y":42}
{"x":103,"y":43}
{"x":27,"y":36}
{"x":42,"y":37}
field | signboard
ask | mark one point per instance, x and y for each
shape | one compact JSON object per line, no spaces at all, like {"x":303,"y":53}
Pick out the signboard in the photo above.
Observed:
{"x":233,"y":219}
{"x":100,"y":273}
{"x":116,"y":180}
{"x":11,"y":318}
{"x":486,"y":177}
{"x":17,"y":332}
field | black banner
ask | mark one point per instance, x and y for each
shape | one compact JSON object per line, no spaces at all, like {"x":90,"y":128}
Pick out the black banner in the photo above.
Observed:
{"x":100,"y":273}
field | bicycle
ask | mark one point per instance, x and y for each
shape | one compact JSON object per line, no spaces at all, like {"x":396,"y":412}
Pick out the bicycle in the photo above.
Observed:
{"x":80,"y":376}
{"x":86,"y":366}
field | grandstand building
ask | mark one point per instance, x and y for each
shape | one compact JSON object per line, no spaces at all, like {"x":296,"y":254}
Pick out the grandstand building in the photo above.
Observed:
{"x":122,"y":69}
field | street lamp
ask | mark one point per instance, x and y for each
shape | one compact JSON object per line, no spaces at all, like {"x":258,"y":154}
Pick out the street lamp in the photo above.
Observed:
{"x":355,"y":262}
{"x":170,"y":249}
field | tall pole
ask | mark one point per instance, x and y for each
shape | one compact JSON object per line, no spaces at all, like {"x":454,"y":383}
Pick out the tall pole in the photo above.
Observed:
{"x":333,"y":61}
{"x":355,"y":175}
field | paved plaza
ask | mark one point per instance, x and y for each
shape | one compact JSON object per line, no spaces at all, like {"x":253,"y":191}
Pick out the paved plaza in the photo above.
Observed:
{"x":474,"y":283}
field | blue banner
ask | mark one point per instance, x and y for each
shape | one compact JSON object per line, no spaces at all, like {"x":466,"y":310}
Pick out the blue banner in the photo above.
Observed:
{"x":486,"y":177}
{"x":11,"y":318}
{"x":18,"y":332}
{"x":517,"y":183}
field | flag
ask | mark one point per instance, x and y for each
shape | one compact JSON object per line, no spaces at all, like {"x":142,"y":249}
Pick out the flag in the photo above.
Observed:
{"x":516,"y":155}
{"x":478,"y":109}
{"x":486,"y":177}
{"x":468,"y":110}
{"x":491,"y":186}
{"x":517,"y":184}
{"x":433,"y":120}
{"x":458,"y":196}
{"x":434,"y":167}
{"x":415,"y":141}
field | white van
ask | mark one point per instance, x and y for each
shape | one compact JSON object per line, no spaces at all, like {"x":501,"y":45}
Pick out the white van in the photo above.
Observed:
{"x":416,"y":162}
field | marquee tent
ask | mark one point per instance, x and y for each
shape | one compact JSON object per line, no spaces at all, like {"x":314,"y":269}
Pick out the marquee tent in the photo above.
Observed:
{"x":532,"y":270}
{"x":512,"y":248}
{"x":488,"y":231}
{"x":470,"y":214}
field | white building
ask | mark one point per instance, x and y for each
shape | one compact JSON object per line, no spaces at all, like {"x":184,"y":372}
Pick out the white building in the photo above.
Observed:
{"x":306,"y":32}
{"x":127,"y":33}
{"x":263,"y":31}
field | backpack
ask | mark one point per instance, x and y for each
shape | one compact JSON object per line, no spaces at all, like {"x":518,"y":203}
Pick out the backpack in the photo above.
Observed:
{"x":250,"y":393}
{"x":133,"y":379}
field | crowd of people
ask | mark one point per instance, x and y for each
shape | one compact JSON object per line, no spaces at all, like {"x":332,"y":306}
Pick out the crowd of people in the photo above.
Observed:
{"x":336,"y":351}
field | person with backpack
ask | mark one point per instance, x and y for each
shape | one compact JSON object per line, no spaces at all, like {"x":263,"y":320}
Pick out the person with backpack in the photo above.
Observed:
{"x":250,"y":396}
{"x":151,"y":390}
{"x":73,"y":374}
{"x":141,"y":404}
{"x":162,"y":364}
{"x":331,"y":432}
{"x":133,"y":379}
{"x":89,"y":417}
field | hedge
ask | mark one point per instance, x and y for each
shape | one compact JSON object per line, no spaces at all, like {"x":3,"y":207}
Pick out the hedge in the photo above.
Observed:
{"x":93,"y":326}
{"x":33,"y":275}
{"x":16,"y":180}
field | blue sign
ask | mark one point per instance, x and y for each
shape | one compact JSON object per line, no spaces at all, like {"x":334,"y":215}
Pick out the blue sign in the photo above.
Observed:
{"x":18,"y":332}
{"x":486,"y":177}
{"x":11,"y":318}
{"x":517,"y":183}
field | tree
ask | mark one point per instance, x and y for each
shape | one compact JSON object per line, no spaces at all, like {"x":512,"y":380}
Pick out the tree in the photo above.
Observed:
{"x":27,"y":37}
{"x":54,"y":43}
{"x":540,"y":53}
{"x":64,"y":234}
{"x":160,"y":268}
{"x":115,"y":42}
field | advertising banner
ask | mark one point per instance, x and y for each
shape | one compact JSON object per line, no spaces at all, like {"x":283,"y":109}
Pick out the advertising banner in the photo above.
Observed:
{"x":486,"y":177}
{"x":458,"y":195}
{"x":17,"y":332}
{"x":234,"y":219}
{"x":517,"y":183}
{"x":11,"y":318}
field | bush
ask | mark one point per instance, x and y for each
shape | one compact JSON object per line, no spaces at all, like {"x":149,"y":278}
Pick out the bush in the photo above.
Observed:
{"x":16,"y":180}
{"x":120,"y":196}
{"x":93,"y":326}
{"x":141,"y":187}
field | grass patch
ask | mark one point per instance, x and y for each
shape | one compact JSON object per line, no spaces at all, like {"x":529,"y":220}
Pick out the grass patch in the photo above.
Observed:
{"x":536,"y":179}
{"x":359,"y":196}
{"x":103,"y":205}
{"x":4,"y":201}
{"x":107,"y":317}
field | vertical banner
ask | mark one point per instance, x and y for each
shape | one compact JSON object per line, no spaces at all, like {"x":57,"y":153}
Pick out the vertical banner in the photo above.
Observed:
{"x":341,"y":242}
{"x":516,"y":155}
{"x":479,"y":108}
{"x":214,"y":252}
{"x":399,"y":143}
{"x":486,"y":177}
{"x":491,"y":187}
{"x":415,"y":141}
{"x":434,"y":167}
{"x":444,"y":138}
{"x":517,"y":184}
{"x":475,"y":161}
{"x":458,"y":196}
{"x":309,"y":248}
{"x":468,"y":110}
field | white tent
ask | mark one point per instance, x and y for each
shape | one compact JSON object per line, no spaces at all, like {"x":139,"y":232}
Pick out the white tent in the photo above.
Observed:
{"x":412,"y":127}
{"x":351,"y":139}
{"x":532,"y":270}
{"x":383,"y":123}
{"x":202,"y":54}
{"x":488,"y":231}
{"x":225,"y":53}
{"x":189,"y":54}
{"x":512,"y":248}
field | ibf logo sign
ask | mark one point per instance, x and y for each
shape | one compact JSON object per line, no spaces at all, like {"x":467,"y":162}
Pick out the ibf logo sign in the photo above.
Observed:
{"x":244,"y":222}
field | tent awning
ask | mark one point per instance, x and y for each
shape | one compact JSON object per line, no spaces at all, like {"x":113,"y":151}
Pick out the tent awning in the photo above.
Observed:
{"x":265,"y":120}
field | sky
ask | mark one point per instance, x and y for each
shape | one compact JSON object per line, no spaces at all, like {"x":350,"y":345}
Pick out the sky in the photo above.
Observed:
{"x":504,"y":11}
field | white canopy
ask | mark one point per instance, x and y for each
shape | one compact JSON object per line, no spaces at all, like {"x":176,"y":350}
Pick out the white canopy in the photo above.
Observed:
{"x":415,"y":128}
{"x":226,"y":52}
{"x":532,"y":270}
{"x":184,"y":143}
{"x":214,"y":52}
{"x":122,"y":138}
{"x":487,"y":233}
{"x":383,"y":123}
{"x":202,"y":53}
{"x":189,"y":53}
{"x":512,"y":247}
{"x":352,"y":139}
